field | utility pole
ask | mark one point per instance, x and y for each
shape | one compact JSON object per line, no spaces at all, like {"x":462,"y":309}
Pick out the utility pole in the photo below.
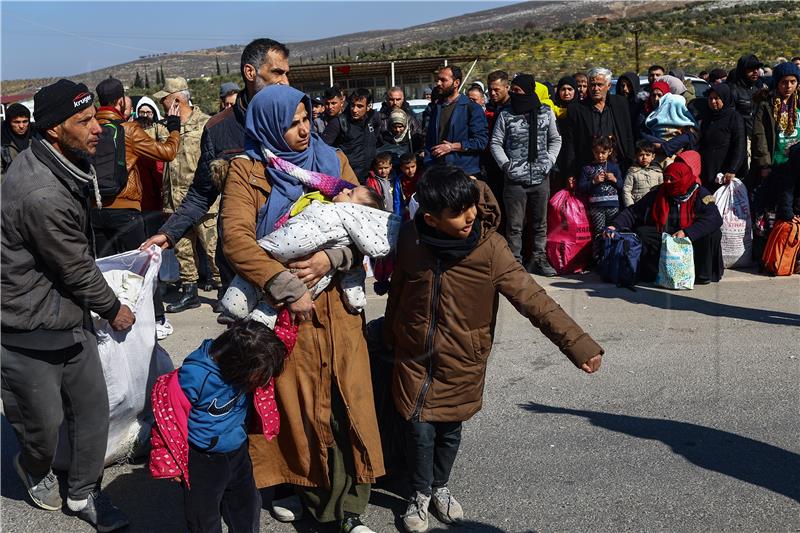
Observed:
{"x":636,"y":30}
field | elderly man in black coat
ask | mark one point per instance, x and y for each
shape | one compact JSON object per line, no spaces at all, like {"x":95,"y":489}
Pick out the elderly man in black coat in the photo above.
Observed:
{"x":599,"y":115}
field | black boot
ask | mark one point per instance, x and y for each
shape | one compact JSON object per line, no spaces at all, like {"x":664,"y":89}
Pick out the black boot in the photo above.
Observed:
{"x":218,"y":304}
{"x":189,"y":299}
{"x":539,"y":265}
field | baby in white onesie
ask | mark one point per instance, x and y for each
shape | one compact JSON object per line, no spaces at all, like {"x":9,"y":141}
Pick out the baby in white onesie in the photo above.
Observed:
{"x":353,"y":218}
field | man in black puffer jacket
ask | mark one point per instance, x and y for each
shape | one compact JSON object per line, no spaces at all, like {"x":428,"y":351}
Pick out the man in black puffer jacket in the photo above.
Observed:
{"x":745,"y":84}
{"x":356,"y":132}
{"x":264,"y":62}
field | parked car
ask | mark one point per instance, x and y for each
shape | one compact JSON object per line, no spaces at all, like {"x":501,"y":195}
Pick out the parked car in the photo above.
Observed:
{"x":700,"y":85}
{"x":417,"y":105}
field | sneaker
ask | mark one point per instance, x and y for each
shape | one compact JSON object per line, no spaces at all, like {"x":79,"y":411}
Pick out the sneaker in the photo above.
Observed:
{"x":415,"y":519}
{"x":288,"y":509}
{"x":448,"y":510}
{"x":163,"y":329}
{"x":44,"y":492}
{"x":102,"y":514}
{"x":352,"y":524}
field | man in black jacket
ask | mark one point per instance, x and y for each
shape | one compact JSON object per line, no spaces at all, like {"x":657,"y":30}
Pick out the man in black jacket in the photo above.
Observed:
{"x":499,"y":99}
{"x":15,"y":133}
{"x":745,"y":84}
{"x":51,"y":368}
{"x":599,"y":115}
{"x":334,"y":99}
{"x":264,"y":62}
{"x":356,"y":132}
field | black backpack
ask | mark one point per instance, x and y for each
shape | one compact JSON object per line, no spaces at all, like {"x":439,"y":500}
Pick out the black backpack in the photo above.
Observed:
{"x":109,"y":161}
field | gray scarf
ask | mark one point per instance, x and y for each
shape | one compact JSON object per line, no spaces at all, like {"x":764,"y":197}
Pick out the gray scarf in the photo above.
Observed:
{"x":79,"y":175}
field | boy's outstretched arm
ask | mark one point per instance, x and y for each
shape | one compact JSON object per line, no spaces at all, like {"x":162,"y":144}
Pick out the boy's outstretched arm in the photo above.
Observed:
{"x":592,"y":365}
{"x":531,"y":300}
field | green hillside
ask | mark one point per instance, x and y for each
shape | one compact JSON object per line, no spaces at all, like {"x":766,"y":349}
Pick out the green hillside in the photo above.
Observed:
{"x":694,"y":38}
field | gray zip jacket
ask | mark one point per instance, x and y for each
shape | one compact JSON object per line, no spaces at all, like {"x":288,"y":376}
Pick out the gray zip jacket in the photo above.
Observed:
{"x":509,"y":146}
{"x":48,"y":277}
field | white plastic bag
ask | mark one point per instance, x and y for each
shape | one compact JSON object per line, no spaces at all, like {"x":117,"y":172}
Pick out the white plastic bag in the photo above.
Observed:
{"x":132,"y":360}
{"x":676,"y":265}
{"x":737,"y":231}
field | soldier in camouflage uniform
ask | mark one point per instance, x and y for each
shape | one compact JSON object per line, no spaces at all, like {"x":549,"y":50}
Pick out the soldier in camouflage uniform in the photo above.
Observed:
{"x":178,"y":176}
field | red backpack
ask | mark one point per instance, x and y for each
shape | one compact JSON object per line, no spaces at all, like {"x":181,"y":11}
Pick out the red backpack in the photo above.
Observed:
{"x":780,"y":253}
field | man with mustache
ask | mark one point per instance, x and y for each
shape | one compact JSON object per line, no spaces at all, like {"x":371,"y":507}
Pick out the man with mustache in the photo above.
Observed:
{"x":51,"y":367}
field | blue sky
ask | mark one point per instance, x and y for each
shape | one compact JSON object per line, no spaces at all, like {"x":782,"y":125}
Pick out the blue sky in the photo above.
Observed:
{"x":43,"y":39}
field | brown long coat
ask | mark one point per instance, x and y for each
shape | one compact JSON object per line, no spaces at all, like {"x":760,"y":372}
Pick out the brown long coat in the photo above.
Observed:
{"x":331,"y":346}
{"x":440,"y":319}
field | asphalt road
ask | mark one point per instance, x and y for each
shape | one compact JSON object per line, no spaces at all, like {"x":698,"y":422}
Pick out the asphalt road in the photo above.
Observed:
{"x":692,"y":424}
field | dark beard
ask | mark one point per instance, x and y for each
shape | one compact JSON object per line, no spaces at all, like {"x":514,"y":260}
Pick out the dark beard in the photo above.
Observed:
{"x":144,"y":122}
{"x":74,"y":154}
{"x":446,"y":94}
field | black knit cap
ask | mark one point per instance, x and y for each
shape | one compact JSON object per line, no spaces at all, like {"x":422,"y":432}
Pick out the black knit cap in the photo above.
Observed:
{"x":109,"y":91}
{"x":17,"y":110}
{"x":55,"y":103}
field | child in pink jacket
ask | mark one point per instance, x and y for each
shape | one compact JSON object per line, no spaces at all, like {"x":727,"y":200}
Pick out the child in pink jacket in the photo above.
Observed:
{"x":200,"y":411}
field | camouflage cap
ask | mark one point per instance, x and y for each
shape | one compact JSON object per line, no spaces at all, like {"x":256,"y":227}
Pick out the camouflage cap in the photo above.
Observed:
{"x":171,"y":85}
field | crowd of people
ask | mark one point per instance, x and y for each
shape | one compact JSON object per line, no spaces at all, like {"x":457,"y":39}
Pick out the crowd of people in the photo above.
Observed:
{"x":279,"y":197}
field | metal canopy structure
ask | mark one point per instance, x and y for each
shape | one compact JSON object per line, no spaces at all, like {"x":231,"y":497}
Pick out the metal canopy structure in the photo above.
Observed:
{"x":410,"y":73}
{"x":359,"y":69}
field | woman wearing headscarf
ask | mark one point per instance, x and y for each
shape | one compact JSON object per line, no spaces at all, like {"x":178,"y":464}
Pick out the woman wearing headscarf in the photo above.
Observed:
{"x":683,"y":208}
{"x":628,"y":86}
{"x":657,"y":91}
{"x":676,"y":86}
{"x":398,"y":137}
{"x":328,"y":446}
{"x":543,"y":94}
{"x":525,"y":144}
{"x":16,"y":133}
{"x":671,"y":127}
{"x":689,"y":92}
{"x":776,"y":127}
{"x":723,"y":145}
{"x":566,"y":93}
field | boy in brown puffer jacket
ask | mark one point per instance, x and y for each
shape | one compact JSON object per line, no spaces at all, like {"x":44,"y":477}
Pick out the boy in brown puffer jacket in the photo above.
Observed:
{"x":452,"y":254}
